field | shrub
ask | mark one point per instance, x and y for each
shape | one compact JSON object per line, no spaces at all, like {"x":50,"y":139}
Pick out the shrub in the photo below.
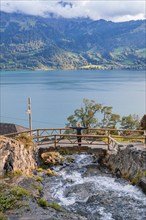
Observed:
{"x":43,"y":203}
{"x":137,"y":177}
{"x":55,"y":206}
{"x":25,"y":139}
{"x":20,"y":192}
{"x":50,"y":172}
{"x":39,"y":169}
{"x":14,"y":173}
{"x":9,"y":199}
{"x":38,"y":178}
{"x":7,"y":202}
{"x":17,"y":173}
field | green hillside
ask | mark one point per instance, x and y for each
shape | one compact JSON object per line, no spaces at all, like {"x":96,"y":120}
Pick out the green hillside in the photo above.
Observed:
{"x":29,"y":42}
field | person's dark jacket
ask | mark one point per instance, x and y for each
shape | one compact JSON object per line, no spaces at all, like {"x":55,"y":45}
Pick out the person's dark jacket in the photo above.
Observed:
{"x":78,"y":129}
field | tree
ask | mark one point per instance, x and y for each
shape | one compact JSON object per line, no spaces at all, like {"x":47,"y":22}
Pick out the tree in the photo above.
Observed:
{"x":109,"y":120}
{"x":131,"y":122}
{"x":86,"y":114}
{"x":113,"y":121}
{"x":106,"y":111}
{"x":143,"y":122}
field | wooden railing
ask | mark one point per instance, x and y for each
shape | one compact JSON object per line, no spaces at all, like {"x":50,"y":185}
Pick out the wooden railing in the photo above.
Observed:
{"x":90,"y":136}
{"x":71,"y":139}
{"x":113,"y":144}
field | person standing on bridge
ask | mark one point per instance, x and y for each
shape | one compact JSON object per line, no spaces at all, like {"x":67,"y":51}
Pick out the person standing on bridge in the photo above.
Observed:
{"x":78,"y":132}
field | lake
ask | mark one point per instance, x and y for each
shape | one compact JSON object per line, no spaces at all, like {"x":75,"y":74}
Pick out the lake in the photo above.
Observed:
{"x":56,"y":94}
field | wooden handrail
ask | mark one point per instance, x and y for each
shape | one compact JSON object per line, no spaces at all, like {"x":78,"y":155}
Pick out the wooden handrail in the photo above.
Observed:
{"x":116,"y":143}
{"x":112,"y":139}
{"x":40,"y":134}
{"x":128,"y":137}
{"x":65,"y":129}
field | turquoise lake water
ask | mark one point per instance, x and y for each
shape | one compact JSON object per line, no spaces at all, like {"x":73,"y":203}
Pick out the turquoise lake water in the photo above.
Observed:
{"x":56,"y":94}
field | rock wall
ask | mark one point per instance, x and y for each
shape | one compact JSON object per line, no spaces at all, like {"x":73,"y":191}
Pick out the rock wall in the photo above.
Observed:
{"x":15,"y":156}
{"x":128,"y":162}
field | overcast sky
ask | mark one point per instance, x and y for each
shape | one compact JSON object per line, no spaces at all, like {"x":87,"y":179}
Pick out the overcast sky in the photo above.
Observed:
{"x":116,"y":10}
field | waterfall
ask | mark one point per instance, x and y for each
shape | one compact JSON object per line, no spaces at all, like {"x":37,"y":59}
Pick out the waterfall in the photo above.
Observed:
{"x":84,"y":187}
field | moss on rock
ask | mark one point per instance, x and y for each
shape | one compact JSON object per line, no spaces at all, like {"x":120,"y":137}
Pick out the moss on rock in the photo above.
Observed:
{"x":50,"y":172}
{"x":43,"y":203}
{"x":11,"y":198}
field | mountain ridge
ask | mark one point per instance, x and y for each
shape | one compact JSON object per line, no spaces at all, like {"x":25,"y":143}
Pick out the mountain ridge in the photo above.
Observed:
{"x":30,"y":42}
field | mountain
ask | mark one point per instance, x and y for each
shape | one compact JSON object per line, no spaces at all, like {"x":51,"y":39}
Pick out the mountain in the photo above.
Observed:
{"x":33,"y":42}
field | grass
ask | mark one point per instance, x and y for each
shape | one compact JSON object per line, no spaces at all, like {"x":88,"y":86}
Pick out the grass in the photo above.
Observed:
{"x":7,"y":202}
{"x":126,"y":176}
{"x":25,"y":139}
{"x":126,"y":139}
{"x":44,"y":203}
{"x":141,"y":52}
{"x":118,"y":51}
{"x":50,"y":172}
{"x":144,"y":173}
{"x":38,"y":187}
{"x":11,"y":198}
{"x":20,"y":192}
{"x":55,"y":206}
{"x":92,"y":67}
{"x":38,"y":178}
{"x":136,"y":178}
{"x":15,"y":173}
{"x":40,"y":169}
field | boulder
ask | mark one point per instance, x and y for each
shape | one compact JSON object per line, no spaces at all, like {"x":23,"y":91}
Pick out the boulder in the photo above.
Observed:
{"x":51,"y":158}
{"x":129,"y":162}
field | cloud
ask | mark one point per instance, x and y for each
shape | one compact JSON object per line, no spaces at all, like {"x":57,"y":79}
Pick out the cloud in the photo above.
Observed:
{"x":115,"y":10}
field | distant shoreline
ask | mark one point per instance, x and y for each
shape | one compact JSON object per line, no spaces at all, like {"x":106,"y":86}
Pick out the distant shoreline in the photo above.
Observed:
{"x":55,"y":69}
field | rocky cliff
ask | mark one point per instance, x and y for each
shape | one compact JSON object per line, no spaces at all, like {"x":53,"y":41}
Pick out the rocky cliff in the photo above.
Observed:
{"x":129,"y":162}
{"x":15,"y":156}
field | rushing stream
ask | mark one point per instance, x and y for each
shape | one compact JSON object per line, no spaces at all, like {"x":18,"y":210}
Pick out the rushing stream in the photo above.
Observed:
{"x":84,"y":187}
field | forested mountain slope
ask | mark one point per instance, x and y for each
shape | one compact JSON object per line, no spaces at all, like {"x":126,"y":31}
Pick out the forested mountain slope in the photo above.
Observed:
{"x":33,"y":42}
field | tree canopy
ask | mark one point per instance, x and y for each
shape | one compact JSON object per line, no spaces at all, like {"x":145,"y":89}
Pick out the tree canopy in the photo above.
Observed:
{"x":92,"y":114}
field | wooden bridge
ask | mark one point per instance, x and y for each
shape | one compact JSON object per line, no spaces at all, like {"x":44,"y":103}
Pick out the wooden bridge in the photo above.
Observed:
{"x":92,"y":137}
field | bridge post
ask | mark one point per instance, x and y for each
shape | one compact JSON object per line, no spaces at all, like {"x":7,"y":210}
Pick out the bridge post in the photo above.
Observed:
{"x":108,"y":143}
{"x":55,"y":141}
{"x":60,"y":133}
{"x":145,"y":138}
{"x":38,"y":134}
{"x":29,"y":112}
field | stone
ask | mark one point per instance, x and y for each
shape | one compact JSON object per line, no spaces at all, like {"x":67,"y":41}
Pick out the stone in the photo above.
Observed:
{"x":142,"y":184}
{"x":129,"y":162}
{"x":15,"y":157}
{"x":51,"y":158}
